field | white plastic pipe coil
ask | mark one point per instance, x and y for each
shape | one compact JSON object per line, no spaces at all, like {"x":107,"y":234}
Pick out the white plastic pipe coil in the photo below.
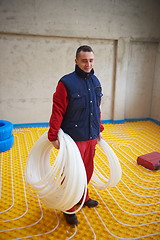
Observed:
{"x":63,"y":184}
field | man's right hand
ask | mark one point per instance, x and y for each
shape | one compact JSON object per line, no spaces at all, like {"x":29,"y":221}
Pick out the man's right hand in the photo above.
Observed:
{"x":56,"y":144}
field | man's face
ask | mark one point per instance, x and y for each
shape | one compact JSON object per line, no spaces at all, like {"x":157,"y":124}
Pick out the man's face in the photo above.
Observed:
{"x":85,"y":61}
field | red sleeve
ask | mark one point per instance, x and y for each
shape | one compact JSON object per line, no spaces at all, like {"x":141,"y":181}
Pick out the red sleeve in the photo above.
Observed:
{"x":101,"y":127}
{"x":60,"y":103}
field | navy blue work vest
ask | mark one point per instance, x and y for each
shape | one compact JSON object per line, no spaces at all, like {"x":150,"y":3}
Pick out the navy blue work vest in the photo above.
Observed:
{"x":82,"y":117}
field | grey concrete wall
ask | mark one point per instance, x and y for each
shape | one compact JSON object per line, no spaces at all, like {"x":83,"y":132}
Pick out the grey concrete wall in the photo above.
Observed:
{"x":109,"y":19}
{"x":31,"y":68}
{"x":155,"y":107}
{"x":38,"y":39}
{"x":140,"y":79}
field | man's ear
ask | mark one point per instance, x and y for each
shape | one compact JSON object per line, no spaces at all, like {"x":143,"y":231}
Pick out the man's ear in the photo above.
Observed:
{"x":75,"y":61}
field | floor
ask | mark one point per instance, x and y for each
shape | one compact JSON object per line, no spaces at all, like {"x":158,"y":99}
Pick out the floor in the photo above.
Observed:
{"x":130,"y":210}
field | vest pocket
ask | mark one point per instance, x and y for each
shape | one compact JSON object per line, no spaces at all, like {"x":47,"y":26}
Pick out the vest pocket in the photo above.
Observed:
{"x":98,"y":91}
{"x":78,"y":100}
{"x":77,"y":130}
{"x":75,"y":124}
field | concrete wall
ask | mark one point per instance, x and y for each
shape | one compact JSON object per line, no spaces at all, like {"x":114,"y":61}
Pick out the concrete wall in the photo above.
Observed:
{"x":140,"y":79}
{"x":38,"y":40}
{"x":155,"y":107}
{"x":109,"y":19}
{"x":32,"y":66}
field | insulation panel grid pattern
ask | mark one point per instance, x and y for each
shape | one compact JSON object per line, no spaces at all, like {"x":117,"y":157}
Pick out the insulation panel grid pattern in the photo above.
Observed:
{"x":130,"y":210}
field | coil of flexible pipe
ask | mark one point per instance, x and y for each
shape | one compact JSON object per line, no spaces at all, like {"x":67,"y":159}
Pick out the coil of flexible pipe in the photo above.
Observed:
{"x":63,"y":184}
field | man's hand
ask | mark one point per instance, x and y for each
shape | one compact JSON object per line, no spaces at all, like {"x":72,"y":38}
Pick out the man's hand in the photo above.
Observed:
{"x":99,"y":137}
{"x":56,"y":144}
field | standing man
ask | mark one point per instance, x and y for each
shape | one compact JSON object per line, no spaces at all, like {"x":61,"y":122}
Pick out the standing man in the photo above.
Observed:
{"x":76,"y":110}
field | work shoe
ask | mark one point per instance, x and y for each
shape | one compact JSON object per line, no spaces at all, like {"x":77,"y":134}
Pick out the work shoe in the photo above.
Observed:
{"x":71,"y":219}
{"x":91,"y":203}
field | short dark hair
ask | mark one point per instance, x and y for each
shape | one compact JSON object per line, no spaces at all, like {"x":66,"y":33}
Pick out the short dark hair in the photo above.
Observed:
{"x":83,"y":48}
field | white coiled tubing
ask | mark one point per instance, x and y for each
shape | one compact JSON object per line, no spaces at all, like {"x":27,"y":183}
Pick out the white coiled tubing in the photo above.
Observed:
{"x":64,"y":183}
{"x":98,"y":180}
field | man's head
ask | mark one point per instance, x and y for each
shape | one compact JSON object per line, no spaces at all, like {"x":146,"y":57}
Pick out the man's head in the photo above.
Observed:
{"x":85,"y":58}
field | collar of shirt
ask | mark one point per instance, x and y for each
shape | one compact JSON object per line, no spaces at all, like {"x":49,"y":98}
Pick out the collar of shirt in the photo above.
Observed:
{"x":83,"y":74}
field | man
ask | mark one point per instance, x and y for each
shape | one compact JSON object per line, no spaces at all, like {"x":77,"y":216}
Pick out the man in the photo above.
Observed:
{"x":76,"y":109}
